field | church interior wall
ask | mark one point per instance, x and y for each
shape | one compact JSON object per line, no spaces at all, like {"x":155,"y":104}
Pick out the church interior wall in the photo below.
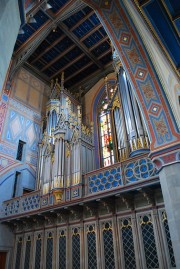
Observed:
{"x":76,"y":225}
{"x":165,"y":72}
{"x":88,"y":225}
{"x":90,"y":96}
{"x":26,"y":107}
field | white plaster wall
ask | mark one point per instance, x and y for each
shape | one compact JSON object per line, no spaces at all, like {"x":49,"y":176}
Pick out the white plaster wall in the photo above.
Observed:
{"x":166,"y":74}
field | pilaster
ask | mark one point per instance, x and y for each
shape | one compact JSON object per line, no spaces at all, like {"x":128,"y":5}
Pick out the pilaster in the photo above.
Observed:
{"x":168,"y":164}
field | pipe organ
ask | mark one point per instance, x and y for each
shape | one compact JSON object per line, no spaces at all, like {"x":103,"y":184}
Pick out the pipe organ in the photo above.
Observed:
{"x":66,"y":151}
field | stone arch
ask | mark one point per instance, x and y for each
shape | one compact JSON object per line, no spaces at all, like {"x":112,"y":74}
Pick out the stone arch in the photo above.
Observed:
{"x":158,"y":115}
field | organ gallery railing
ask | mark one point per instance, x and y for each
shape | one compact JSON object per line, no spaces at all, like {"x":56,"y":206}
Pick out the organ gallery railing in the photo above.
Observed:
{"x":130,"y":173}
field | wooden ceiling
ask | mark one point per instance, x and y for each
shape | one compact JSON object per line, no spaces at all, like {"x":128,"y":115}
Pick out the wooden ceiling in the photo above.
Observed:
{"x":75,"y":43}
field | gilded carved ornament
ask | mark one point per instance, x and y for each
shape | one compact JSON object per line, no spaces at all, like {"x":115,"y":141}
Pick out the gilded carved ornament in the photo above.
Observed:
{"x":68,"y":150}
{"x":58,"y":194}
{"x":116,"y":103}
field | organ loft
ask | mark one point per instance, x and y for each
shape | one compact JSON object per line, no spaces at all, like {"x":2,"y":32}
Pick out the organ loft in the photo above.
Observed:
{"x":89,"y":134}
{"x":66,"y":152}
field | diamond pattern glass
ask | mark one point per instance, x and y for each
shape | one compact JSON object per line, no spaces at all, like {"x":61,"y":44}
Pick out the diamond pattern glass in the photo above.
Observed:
{"x":108,"y":249}
{"x":62,"y":252}
{"x":27,"y":255}
{"x":169,"y":243}
{"x":92,"y":259}
{"x":128,"y":247}
{"x":38,"y":254}
{"x":149,"y":245}
{"x":49,"y":252}
{"x":76,"y":251}
{"x":18,"y":255}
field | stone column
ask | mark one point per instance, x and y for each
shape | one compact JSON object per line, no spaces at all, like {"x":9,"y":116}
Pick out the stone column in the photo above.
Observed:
{"x":169,"y":174}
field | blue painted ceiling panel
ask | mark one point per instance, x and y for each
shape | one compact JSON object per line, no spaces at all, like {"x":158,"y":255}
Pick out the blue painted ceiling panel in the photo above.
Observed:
{"x":77,"y":78}
{"x":64,"y":44}
{"x":162,"y":25}
{"x":78,"y":32}
{"x":50,"y":55}
{"x":94,"y":19}
{"x":48,"y":72}
{"x":71,"y":21}
{"x":39,"y":65}
{"x":95,"y":37}
{"x":53,"y":36}
{"x":28,"y":32}
{"x":75,"y":18}
{"x":41,"y":47}
{"x":61,"y":63}
{"x":100,"y":49}
{"x":57,"y":4}
{"x":41,"y":18}
{"x":173,"y":6}
{"x":88,"y":42}
{"x":54,"y":57}
{"x":82,"y":62}
{"x":103,"y":32}
{"x":71,"y":55}
{"x":70,"y":70}
{"x":106,"y":59}
{"x":177,"y":22}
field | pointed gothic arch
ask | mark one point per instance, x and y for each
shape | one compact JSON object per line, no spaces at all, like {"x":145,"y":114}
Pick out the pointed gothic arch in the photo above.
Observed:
{"x":162,"y":126}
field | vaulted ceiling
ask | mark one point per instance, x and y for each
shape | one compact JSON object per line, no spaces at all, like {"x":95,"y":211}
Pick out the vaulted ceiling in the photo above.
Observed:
{"x":76,"y":43}
{"x":69,"y":37}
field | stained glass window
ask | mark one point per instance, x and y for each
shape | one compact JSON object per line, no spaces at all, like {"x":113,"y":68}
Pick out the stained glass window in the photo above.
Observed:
{"x":149,"y":243}
{"x":76,"y":250}
{"x":38,"y":253}
{"x":106,"y":142}
{"x":91,"y":240}
{"x":49,"y":252}
{"x":18,"y":254}
{"x":108,"y":247}
{"x":62,"y":251}
{"x":27,"y":253}
{"x":128,"y":245}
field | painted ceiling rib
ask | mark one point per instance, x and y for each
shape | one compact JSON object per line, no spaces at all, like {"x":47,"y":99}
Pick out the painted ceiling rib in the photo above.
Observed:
{"x":78,"y":71}
{"x":81,"y":21}
{"x":96,"y":28}
{"x":67,"y":65}
{"x":48,"y":48}
{"x":89,"y":81}
{"x":58,"y":57}
{"x":105,"y":53}
{"x":106,"y":38}
{"x":79,"y":44}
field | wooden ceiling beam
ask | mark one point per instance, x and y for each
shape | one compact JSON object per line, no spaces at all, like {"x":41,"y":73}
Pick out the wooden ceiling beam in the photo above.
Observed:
{"x":99,"y":43}
{"x":58,"y":57}
{"x":88,"y":82}
{"x":78,"y":71}
{"x":67,"y":65}
{"x":105,"y":53}
{"x":79,"y":44}
{"x":81,"y":21}
{"x":48,"y":48}
{"x":97,"y":27}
